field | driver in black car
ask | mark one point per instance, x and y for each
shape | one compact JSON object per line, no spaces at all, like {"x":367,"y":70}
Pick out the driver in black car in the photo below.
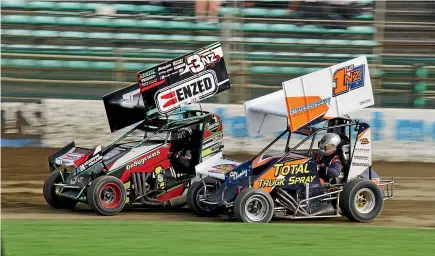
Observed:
{"x":180,"y":146}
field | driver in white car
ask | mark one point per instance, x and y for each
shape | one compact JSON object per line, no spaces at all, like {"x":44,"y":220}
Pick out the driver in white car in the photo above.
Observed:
{"x":328,"y":161}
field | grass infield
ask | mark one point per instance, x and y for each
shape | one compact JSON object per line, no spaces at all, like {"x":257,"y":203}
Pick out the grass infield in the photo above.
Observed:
{"x":125,"y":238}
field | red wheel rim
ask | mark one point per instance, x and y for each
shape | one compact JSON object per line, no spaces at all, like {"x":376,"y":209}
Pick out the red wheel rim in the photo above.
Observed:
{"x":110,"y":195}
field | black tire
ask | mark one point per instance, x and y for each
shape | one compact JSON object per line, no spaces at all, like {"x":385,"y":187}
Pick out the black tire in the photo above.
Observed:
{"x":50,"y":195}
{"x":246,"y":197}
{"x":107,"y":195}
{"x":370,"y":204}
{"x":195,"y":190}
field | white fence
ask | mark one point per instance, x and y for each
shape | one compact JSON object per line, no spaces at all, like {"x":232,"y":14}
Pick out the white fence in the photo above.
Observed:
{"x":398,"y":134}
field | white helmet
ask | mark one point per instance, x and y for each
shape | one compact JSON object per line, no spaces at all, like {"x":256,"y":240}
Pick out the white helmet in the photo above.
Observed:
{"x":328,"y":144}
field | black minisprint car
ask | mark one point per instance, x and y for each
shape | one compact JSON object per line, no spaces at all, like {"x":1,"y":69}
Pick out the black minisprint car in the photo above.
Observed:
{"x":152,"y":164}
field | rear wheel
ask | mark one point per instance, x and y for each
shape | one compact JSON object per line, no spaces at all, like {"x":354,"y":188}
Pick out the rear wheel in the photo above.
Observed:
{"x":50,"y":193}
{"x":361,"y":200}
{"x":107,"y":195}
{"x":196,"y":192}
{"x":254,"y":205}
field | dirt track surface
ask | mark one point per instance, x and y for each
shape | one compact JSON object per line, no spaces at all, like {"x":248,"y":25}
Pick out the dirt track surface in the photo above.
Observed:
{"x":23,"y":171}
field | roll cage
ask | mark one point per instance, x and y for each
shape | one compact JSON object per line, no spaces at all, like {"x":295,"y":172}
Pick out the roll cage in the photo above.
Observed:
{"x":157,"y":125}
{"x":311,"y":133}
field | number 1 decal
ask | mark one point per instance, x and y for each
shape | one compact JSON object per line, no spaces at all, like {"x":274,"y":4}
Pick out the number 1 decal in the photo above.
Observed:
{"x":339,"y":85}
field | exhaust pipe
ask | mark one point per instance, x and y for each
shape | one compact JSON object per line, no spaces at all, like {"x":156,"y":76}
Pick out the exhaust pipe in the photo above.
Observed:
{"x":133,"y":177}
{"x":151,"y":203}
{"x":178,"y":201}
{"x":284,"y":196}
{"x":325,"y":209}
{"x":288,"y":196}
{"x":139,"y":182}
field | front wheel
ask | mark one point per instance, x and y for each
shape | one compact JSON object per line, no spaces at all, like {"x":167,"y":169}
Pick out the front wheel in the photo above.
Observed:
{"x":254,"y":205}
{"x":107,"y":195}
{"x":50,"y":193}
{"x":361,"y":200}
{"x":196,"y":192}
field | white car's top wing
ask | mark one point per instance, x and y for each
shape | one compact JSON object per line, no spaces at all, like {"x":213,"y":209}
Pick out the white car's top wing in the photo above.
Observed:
{"x":322,"y":95}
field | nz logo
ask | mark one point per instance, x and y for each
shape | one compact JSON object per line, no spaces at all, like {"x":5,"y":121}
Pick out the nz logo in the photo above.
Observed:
{"x":348,"y":78}
{"x":199,"y":62}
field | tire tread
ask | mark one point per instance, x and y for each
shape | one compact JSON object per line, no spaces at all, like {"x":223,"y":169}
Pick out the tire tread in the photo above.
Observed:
{"x":246,"y":193}
{"x":347,"y":200}
{"x":51,"y":198}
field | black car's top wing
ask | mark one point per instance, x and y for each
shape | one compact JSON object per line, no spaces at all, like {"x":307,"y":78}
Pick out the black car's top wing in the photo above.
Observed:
{"x":124,"y":107}
{"x":169,"y":86}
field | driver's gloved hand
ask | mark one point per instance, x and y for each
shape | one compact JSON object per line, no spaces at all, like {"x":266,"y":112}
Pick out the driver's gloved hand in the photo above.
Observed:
{"x":186,"y":158}
{"x":334,"y":169}
{"x":321,"y":168}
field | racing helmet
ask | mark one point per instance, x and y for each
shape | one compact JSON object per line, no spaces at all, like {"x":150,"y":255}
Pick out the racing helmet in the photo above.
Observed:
{"x":181,"y":136}
{"x":328,"y":144}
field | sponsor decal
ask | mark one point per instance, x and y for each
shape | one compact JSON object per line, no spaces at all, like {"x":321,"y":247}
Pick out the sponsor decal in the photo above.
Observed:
{"x":147,"y":74}
{"x":362,"y":149}
{"x":361,"y":157}
{"x":348,"y":78}
{"x":364,"y":141}
{"x":92,"y":161}
{"x":282,"y":169}
{"x":234,"y":175}
{"x":148,"y":78}
{"x":158,"y":172}
{"x":216,"y":146}
{"x":223,"y":168}
{"x":218,"y":137}
{"x":165,"y":67}
{"x":142,"y":160}
{"x":212,"y":149}
{"x":178,"y":62}
{"x":79,"y":180}
{"x":68,"y":157}
{"x":300,"y":180}
{"x":167,"y":72}
{"x":75,"y":180}
{"x":128,"y":104}
{"x":198,"y":62}
{"x":164,"y":75}
{"x":304,"y":131}
{"x":181,"y":66}
{"x":240,"y":172}
{"x":187,"y":91}
{"x":360,"y":164}
{"x":316,"y":104}
{"x":365,"y":101}
{"x":266,"y":183}
{"x":143,"y":84}
{"x":214,"y":126}
{"x":215,"y":138}
{"x":89,"y":163}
